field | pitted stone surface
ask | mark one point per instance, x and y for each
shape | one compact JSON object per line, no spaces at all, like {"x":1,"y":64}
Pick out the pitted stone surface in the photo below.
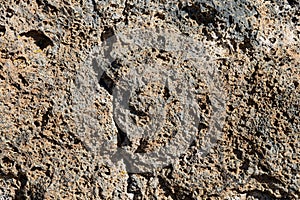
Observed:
{"x":45,"y":47}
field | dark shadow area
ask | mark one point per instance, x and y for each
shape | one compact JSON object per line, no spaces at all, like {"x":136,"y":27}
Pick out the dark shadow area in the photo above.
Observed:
{"x":41,"y":40}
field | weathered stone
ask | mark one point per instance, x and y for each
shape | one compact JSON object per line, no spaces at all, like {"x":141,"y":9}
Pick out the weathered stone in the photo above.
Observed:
{"x":58,"y":125}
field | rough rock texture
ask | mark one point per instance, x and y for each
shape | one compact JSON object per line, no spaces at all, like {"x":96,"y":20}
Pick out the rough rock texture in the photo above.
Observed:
{"x":46,"y":88}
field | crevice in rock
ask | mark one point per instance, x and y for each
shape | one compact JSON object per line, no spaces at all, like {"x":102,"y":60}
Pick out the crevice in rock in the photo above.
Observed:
{"x":37,"y":192}
{"x":166,"y":93}
{"x":107,"y":37}
{"x":135,"y":111}
{"x":293,"y":2}
{"x":46,"y":117}
{"x":202,"y":14}
{"x":166,"y":188}
{"x":41,"y":40}
{"x":133,"y":187}
{"x":246,"y":45}
{"x":107,"y":33}
{"x":126,"y":10}
{"x":265,"y":178}
{"x":107,"y":83}
{"x":2,"y":30}
{"x":7,"y":176}
{"x":21,"y":192}
{"x":23,"y":80}
{"x":122,"y":138}
{"x":142,"y":147}
{"x":95,"y":8}
{"x":16,"y":85}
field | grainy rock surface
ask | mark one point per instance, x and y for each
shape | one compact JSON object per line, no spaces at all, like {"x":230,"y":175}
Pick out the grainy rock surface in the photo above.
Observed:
{"x":52,"y":98}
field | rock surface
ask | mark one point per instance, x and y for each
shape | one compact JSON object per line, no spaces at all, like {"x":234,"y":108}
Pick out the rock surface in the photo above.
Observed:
{"x":58,"y":99}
